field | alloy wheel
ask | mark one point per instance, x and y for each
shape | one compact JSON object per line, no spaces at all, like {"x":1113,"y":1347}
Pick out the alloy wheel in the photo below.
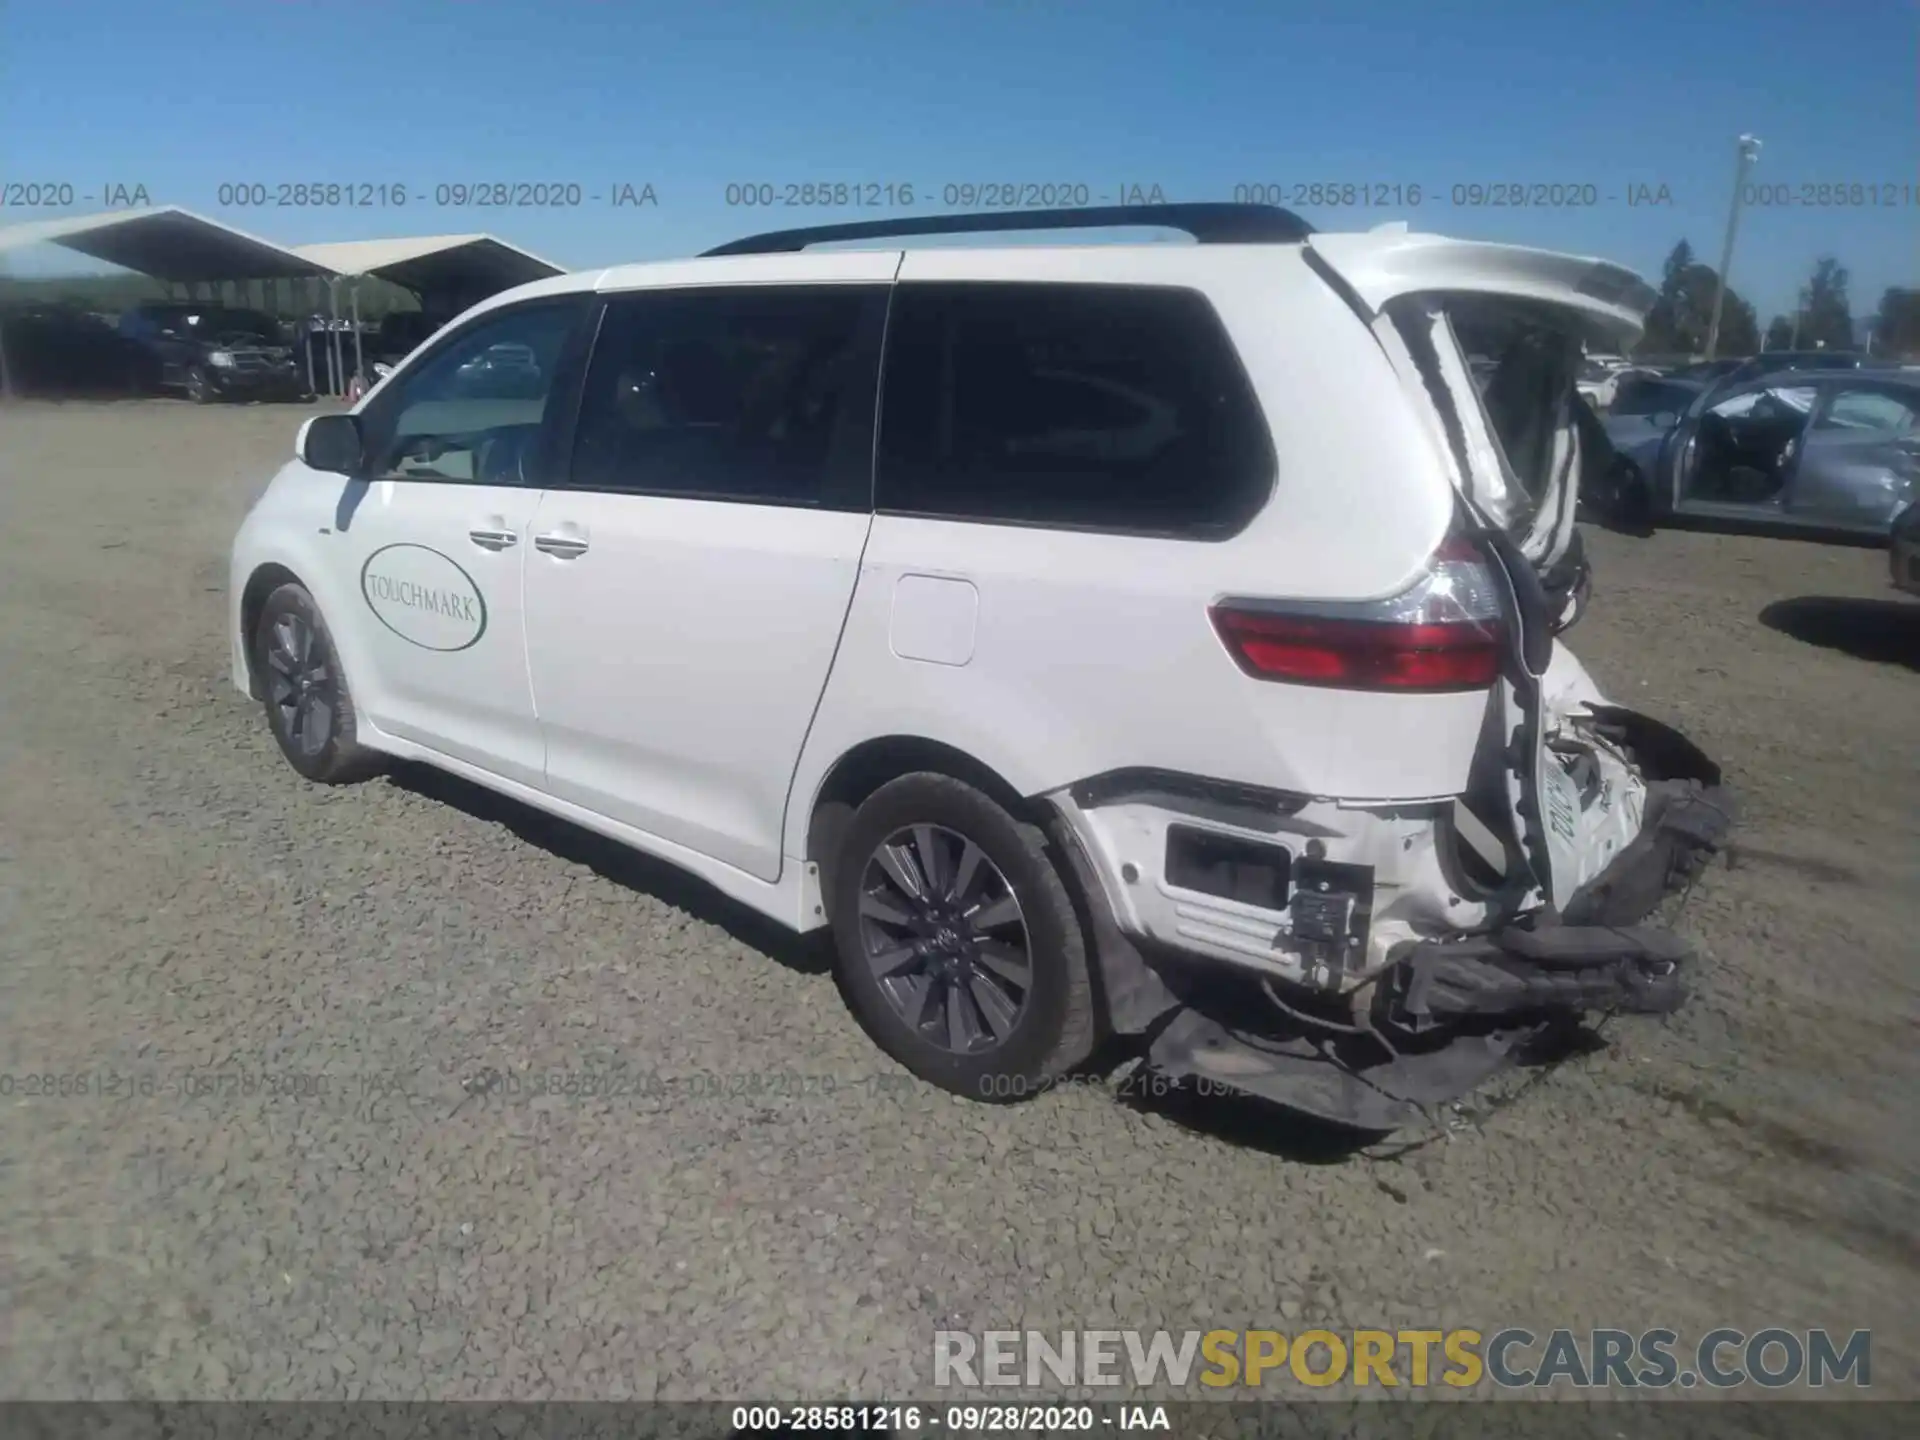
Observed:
{"x":301,"y":686}
{"x":946,"y":939}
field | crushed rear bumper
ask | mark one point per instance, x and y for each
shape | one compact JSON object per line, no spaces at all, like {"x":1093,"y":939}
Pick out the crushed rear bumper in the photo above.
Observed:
{"x":1450,"y":1013}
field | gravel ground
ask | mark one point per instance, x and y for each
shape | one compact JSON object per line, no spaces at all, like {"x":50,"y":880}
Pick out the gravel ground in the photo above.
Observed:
{"x":175,"y":901}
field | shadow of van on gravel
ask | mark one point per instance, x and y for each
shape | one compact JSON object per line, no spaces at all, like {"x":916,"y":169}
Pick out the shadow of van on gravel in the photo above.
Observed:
{"x":805,"y":954}
{"x":1242,"y":1121}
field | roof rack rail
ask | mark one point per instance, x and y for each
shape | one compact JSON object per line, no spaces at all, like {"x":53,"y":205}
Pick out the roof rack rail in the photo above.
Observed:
{"x":1209,"y":223}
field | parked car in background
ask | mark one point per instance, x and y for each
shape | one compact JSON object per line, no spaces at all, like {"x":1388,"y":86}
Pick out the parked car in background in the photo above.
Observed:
{"x":1602,"y":375}
{"x":1645,"y":408}
{"x":1831,"y":452}
{"x":1646,"y":395}
{"x":1775,"y":362}
{"x":60,"y":350}
{"x":216,"y":352}
{"x":1598,"y":377}
{"x":1903,"y":549}
{"x":1705,"y":372}
{"x":1597,"y":383}
{"x":502,"y":370}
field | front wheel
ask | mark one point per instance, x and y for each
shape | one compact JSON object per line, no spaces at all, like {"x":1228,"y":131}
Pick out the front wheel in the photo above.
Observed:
{"x":958,"y":944}
{"x":199,"y":390}
{"x":309,"y":707}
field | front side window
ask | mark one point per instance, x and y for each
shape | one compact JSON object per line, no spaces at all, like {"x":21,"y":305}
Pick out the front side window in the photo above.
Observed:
{"x":1780,"y":402}
{"x":1096,"y":406}
{"x":472,"y":411}
{"x":757,"y":393}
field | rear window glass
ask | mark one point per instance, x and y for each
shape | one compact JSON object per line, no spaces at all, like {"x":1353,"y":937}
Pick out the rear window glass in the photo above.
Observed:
{"x":1085,"y":406}
{"x":1649,"y":397}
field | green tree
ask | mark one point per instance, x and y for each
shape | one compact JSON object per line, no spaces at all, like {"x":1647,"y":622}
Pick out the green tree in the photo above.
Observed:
{"x":1661,"y":334}
{"x":1896,"y":324}
{"x":1739,"y":326}
{"x":1683,"y":313}
{"x":1828,"y":322}
{"x":1780,"y":333}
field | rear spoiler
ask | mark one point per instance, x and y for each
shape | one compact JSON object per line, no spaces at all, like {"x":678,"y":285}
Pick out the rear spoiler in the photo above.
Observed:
{"x":1379,"y":267}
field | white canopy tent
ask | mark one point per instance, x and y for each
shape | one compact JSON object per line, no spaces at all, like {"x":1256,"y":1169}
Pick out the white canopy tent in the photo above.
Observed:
{"x":446,"y":272}
{"x":169,"y":243}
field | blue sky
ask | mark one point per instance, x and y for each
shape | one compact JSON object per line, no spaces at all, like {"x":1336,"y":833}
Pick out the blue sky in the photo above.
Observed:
{"x":1194,"y":97}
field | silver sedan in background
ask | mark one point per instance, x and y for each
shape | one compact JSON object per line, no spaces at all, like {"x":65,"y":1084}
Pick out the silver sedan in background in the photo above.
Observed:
{"x":1831,"y":452}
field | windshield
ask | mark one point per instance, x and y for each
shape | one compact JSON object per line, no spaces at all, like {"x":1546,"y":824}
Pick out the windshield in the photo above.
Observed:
{"x":233,"y":324}
{"x":1649,"y":397}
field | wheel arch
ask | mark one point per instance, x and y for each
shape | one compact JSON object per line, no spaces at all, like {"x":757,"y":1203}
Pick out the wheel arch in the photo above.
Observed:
{"x":262,"y":582}
{"x":874,"y":762}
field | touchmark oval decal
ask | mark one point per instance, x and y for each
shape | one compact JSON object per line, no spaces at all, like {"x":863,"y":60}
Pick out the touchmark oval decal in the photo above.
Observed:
{"x":424,"y":597}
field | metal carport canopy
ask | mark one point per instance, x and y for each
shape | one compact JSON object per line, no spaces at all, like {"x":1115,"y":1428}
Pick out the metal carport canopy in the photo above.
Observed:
{"x":427,"y":264}
{"x":169,"y":243}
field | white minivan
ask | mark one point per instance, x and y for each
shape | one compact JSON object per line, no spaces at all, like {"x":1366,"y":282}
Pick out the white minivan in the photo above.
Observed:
{"x":1104,"y":640}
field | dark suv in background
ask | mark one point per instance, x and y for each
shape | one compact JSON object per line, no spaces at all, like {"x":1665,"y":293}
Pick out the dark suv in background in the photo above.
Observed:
{"x":59,"y":350}
{"x":215,"y":352}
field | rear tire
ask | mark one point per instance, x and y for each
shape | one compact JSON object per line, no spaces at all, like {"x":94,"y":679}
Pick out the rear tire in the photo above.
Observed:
{"x":308,"y":704}
{"x":980,"y":984}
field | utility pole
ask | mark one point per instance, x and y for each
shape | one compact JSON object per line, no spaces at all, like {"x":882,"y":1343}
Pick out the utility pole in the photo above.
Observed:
{"x":1749,"y":151}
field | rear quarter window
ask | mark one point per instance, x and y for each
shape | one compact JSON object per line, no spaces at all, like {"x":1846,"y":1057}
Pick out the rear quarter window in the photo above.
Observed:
{"x":1870,"y":411}
{"x":1102,"y":407}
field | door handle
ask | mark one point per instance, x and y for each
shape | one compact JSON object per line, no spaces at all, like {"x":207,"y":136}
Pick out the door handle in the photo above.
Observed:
{"x":493,"y":539}
{"x":561,"y":547}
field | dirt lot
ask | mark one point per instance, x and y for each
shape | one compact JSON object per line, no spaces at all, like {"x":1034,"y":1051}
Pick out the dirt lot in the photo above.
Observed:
{"x":176,"y":901}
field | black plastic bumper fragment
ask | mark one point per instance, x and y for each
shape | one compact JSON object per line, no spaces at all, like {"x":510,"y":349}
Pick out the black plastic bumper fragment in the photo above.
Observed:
{"x":1686,"y":823}
{"x":1350,"y":1082}
{"x":1558,"y":970}
{"x":1454,"y":1013}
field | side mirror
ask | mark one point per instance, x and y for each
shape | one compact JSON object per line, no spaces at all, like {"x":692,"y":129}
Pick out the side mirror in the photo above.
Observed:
{"x":331,"y":444}
{"x":1664,"y":419}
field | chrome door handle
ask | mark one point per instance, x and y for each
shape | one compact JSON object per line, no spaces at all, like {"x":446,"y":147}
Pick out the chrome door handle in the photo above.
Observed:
{"x":561,"y":547}
{"x":493,"y":539}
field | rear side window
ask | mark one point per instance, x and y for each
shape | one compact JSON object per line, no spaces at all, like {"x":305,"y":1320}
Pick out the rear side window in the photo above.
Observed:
{"x":1869,"y":412}
{"x":756,"y":393}
{"x":1083,"y":406}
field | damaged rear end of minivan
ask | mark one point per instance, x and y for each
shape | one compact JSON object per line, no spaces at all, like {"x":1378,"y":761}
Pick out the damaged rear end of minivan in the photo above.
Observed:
{"x":1421,"y":947}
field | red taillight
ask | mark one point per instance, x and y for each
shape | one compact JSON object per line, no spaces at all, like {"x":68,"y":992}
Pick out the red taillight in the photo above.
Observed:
{"x":1442,"y":633}
{"x":1361,"y":654}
